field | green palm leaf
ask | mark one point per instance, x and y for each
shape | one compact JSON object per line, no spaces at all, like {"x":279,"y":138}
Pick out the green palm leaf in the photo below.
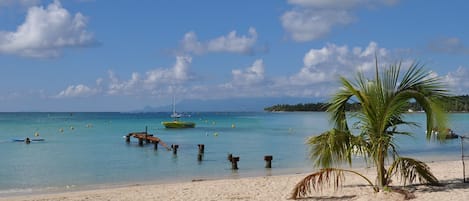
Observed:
{"x":327,"y":176}
{"x":409,"y":170}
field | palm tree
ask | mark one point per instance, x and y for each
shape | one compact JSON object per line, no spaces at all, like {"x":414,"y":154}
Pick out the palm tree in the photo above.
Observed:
{"x":384,"y":100}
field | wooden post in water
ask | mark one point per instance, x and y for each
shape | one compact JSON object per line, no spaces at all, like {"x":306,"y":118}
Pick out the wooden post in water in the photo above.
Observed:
{"x":127,"y":138}
{"x":268,"y":161}
{"x":175,"y":148}
{"x":156,"y":145}
{"x":201,"y":148}
{"x":140,"y":141}
{"x":201,"y":152}
{"x":146,"y":135}
{"x":234,"y":163}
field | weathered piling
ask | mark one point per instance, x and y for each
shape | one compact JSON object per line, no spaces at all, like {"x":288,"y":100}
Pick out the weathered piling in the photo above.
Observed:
{"x":140,"y":141}
{"x":234,"y":163}
{"x":201,"y":148}
{"x":268,"y":161}
{"x":175,"y":148}
{"x":127,"y":138}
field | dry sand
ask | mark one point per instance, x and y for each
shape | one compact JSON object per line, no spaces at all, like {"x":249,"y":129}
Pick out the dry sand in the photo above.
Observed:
{"x":271,"y":188}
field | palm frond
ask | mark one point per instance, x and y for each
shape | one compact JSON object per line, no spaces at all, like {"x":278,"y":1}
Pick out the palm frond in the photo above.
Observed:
{"x":328,"y":176}
{"x":409,"y":170}
{"x":330,"y":148}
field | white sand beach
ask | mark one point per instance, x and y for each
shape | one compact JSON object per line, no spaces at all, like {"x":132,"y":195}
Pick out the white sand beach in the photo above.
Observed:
{"x":270,"y":188}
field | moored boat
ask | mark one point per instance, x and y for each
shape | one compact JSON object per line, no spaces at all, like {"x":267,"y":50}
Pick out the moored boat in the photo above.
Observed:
{"x":176,"y":123}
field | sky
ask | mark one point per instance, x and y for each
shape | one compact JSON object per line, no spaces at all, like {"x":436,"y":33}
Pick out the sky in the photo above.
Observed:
{"x":124,"y":55}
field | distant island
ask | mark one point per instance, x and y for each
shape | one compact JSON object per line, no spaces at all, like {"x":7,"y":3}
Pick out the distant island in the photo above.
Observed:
{"x":455,"y":104}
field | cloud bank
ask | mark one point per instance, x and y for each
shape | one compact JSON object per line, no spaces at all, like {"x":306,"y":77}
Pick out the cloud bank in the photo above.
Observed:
{"x":231,"y":43}
{"x":46,"y":32}
{"x":314,"y":19}
{"x":317,"y":77}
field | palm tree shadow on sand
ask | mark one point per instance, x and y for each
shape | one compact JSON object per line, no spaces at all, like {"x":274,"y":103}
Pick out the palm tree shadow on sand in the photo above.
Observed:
{"x":408,"y":192}
{"x":328,"y":198}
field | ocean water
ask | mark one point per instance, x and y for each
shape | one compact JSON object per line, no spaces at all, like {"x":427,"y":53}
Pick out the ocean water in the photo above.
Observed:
{"x":86,"y":150}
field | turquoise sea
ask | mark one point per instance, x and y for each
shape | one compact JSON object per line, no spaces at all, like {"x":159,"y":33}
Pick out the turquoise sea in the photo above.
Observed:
{"x":87,"y":150}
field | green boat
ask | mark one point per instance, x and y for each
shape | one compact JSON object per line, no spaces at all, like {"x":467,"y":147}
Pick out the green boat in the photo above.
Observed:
{"x":176,"y":123}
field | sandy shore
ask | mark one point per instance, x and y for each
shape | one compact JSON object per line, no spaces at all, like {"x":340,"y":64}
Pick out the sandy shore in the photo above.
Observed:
{"x":271,"y":188}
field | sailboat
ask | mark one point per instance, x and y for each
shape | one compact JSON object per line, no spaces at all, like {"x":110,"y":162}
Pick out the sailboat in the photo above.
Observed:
{"x":176,"y":123}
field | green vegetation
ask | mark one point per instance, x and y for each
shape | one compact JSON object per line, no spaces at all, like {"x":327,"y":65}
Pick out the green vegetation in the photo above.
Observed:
{"x":454,"y":104}
{"x":384,"y":100}
{"x":308,"y":107}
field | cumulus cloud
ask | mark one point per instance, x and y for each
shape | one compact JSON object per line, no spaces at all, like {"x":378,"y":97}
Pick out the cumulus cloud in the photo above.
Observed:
{"x":153,"y":81}
{"x":250,"y":76}
{"x":306,"y":25}
{"x":77,"y":91}
{"x":126,"y":87}
{"x":314,"y":19}
{"x":45,"y":32}
{"x":457,"y":81}
{"x":327,"y":63}
{"x":316,"y":77}
{"x":230,"y":43}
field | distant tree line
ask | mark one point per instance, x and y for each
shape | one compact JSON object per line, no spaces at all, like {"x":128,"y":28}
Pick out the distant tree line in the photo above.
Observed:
{"x":315,"y":107}
{"x":454,"y":104}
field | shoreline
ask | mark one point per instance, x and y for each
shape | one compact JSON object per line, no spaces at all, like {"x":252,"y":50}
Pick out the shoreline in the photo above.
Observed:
{"x":277,"y":187}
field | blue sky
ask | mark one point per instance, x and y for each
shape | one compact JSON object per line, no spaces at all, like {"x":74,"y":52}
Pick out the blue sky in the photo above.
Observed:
{"x":96,"y":55}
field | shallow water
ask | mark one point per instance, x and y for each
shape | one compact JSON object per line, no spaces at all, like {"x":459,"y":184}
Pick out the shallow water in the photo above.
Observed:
{"x":88,"y":149}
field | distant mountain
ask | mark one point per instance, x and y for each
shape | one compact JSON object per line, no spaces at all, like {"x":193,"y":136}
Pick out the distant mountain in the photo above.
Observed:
{"x":228,"y":105}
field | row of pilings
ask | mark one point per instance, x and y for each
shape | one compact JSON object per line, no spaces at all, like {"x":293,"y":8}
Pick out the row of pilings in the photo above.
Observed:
{"x":150,"y":139}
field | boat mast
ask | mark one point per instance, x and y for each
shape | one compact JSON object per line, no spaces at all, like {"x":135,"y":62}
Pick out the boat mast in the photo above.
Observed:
{"x":174,"y":105}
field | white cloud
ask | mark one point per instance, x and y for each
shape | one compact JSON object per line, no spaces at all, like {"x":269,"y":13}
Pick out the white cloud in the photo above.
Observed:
{"x":129,"y":87}
{"x":250,"y":76}
{"x":458,"y":81}
{"x":314,"y":19}
{"x":229,"y":43}
{"x":327,"y":63}
{"x":77,"y":91}
{"x":155,"y":80}
{"x":45,"y":32}
{"x":306,"y":25}
{"x":317,"y":77}
{"x":177,"y":74}
{"x":190,"y":43}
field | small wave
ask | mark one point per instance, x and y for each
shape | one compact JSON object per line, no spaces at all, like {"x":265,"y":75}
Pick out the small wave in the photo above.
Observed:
{"x":23,"y":191}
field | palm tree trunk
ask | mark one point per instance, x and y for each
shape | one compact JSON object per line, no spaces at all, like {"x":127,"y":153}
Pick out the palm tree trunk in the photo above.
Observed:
{"x":380,"y":168}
